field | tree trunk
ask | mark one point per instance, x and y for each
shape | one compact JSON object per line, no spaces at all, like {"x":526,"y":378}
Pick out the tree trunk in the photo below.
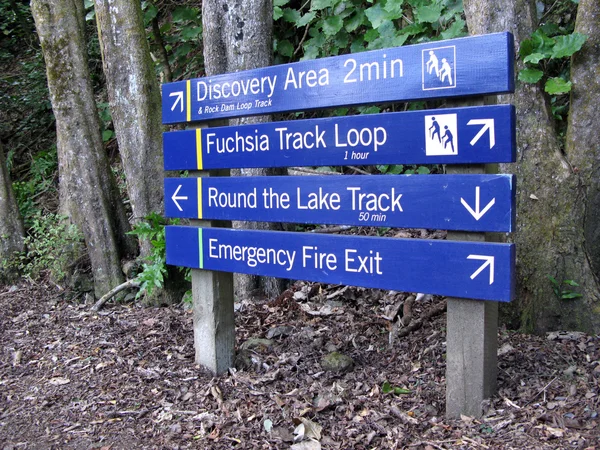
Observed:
{"x":134,"y":97}
{"x":552,"y":195}
{"x":11,"y":224}
{"x":238,"y":36}
{"x":87,"y":189}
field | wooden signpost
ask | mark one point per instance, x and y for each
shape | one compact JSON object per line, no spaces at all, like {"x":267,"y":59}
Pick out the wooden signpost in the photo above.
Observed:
{"x":470,"y":269}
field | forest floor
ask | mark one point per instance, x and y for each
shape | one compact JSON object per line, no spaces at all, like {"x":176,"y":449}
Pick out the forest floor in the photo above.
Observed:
{"x":125,"y":378}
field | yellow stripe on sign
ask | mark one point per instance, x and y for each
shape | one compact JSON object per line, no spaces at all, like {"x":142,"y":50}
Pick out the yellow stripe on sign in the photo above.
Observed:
{"x":199,"y":198}
{"x":188,"y":97}
{"x":199,"y":148}
{"x":200,"y":250}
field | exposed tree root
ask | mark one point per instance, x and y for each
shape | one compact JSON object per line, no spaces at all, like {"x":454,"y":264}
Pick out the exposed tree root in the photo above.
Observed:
{"x":438,"y":309}
{"x":110,"y":294}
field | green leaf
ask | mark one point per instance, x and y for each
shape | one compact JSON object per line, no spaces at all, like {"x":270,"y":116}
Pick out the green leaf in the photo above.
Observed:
{"x":398,"y":391}
{"x":311,"y":51}
{"x":567,"y":45}
{"x":150,"y":13}
{"x":569,"y":295}
{"x":394,"y":9}
{"x":457,"y":29}
{"x":557,"y":85}
{"x":90,"y":16}
{"x":376,"y":15}
{"x":306,"y":19}
{"x":530,"y":75}
{"x":542,"y":43}
{"x":386,"y":388}
{"x":526,"y":48}
{"x":396,"y":169}
{"x":280,"y":2}
{"x":429,"y":13}
{"x":413,"y":29}
{"x":383,"y":168}
{"x":107,"y":135}
{"x":369,"y":109}
{"x":571,"y":282}
{"x":332,"y":25}
{"x":191,"y":33}
{"x":355,"y":21}
{"x":182,"y":14}
{"x":285,"y":48}
{"x":291,"y":15}
{"x":550,"y":29}
{"x":371,"y":35}
{"x":358,"y":45}
{"x":422,"y":170}
{"x":277,"y":13}
{"x":317,"y":5}
{"x":534,"y":58}
{"x":88,"y":3}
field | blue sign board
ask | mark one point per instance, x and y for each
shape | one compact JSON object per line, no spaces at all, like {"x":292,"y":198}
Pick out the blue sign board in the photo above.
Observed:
{"x":476,"y":65}
{"x":483,"y":134}
{"x":448,"y":202}
{"x":459,"y":269}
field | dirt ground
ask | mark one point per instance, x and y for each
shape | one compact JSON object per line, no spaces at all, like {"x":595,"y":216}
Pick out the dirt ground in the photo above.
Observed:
{"x":125,"y":378}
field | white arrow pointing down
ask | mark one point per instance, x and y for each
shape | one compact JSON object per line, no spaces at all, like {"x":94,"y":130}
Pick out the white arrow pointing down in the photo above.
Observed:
{"x":477,"y":213}
{"x":489,"y":261}
{"x":175,"y":197}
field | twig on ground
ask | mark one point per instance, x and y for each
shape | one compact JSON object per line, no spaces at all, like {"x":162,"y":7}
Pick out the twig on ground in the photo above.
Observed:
{"x":541,"y":390}
{"x":106,"y":297}
{"x":313,"y":171}
{"x":331,"y":229}
{"x":364,"y":172}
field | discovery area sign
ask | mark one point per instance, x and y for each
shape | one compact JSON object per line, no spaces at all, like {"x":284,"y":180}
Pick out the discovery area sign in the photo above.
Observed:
{"x":459,"y":269}
{"x":447,"y":202}
{"x":476,"y":65}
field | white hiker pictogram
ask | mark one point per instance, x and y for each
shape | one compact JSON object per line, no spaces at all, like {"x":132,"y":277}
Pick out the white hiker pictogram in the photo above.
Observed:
{"x":445,"y":72}
{"x":441,"y":135}
{"x":439,"y":68}
{"x":433,"y":64}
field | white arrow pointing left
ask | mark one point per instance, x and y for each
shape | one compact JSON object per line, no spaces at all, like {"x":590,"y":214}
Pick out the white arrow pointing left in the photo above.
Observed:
{"x":488,"y":124}
{"x":478,"y":214}
{"x":181,"y":197}
{"x":489,"y":261}
{"x":178,"y":99}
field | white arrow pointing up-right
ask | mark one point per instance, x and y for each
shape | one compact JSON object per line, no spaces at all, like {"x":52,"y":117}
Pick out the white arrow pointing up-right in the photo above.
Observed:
{"x":488,"y":124}
{"x":489,"y":261}
{"x":179,"y":99}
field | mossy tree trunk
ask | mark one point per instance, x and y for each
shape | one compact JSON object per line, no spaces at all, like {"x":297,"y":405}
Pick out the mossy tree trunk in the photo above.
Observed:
{"x":558,"y":184}
{"x":135,"y":104}
{"x":239,"y":36}
{"x":87,"y":188}
{"x":134,"y":98}
{"x":11,"y":224}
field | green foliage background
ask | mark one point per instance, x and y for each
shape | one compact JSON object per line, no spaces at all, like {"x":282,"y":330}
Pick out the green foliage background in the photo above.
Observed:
{"x":302,"y":30}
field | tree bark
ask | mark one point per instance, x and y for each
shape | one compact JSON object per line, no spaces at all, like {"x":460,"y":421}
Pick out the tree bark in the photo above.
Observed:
{"x":12,"y":233}
{"x":134,"y":97}
{"x":87,"y":189}
{"x":238,"y":35}
{"x":551,"y":201}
